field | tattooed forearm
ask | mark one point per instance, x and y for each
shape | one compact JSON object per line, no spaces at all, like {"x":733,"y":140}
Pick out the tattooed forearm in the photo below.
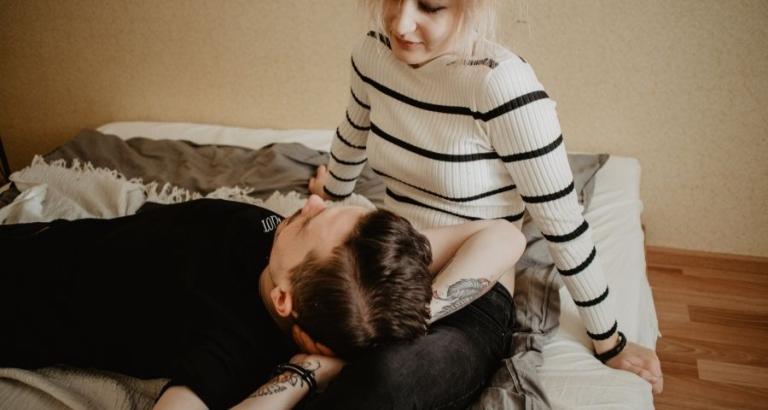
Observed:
{"x":457,"y":296}
{"x":269,"y":388}
{"x":278,"y":384}
{"x":281,"y":382}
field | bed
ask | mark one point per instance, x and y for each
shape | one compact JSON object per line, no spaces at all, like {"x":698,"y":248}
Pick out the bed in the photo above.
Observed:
{"x":569,"y":375}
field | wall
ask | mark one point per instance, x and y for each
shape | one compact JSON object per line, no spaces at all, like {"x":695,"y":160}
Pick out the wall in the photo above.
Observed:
{"x":681,"y":85}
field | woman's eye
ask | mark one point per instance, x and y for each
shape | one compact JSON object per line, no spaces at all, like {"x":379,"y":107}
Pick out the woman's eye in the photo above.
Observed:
{"x":430,"y":9}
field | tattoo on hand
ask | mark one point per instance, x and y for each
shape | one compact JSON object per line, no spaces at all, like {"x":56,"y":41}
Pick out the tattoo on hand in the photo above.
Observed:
{"x":460,"y":294}
{"x":281,"y":382}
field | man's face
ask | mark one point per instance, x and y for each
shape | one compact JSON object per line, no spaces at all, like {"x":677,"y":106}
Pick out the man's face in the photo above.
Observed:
{"x":313,"y":228}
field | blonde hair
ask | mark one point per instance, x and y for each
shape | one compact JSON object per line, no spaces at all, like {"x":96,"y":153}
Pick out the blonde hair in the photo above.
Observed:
{"x":476,"y":30}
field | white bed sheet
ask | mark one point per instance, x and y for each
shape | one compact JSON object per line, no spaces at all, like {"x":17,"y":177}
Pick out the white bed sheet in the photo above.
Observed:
{"x":572,"y":377}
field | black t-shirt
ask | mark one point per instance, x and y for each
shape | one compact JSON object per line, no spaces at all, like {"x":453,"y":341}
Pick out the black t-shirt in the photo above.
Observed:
{"x":170,"y":292}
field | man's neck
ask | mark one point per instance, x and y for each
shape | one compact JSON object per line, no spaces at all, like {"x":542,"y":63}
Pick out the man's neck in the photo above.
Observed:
{"x":265,"y":286}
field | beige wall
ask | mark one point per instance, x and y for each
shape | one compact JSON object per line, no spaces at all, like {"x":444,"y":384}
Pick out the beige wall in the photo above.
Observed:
{"x":682,"y":85}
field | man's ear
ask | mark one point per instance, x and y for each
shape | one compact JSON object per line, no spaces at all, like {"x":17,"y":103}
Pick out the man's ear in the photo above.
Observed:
{"x":282,"y":301}
{"x":309,"y":345}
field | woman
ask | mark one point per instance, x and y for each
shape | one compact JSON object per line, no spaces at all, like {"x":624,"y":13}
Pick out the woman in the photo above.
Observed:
{"x":460,"y":128}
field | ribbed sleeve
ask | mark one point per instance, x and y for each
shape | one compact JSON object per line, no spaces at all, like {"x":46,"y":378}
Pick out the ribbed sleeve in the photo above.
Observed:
{"x":348,"y":149}
{"x":523,"y":127}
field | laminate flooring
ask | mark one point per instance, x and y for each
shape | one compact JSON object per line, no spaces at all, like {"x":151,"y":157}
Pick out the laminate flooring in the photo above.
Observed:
{"x":713,"y":316}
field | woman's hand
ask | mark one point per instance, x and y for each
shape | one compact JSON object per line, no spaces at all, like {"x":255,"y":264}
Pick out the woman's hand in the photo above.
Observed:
{"x":325,"y":368}
{"x":642,"y":362}
{"x":317,"y":182}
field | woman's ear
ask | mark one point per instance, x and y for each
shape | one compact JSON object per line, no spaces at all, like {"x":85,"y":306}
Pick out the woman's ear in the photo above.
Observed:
{"x":282,"y":301}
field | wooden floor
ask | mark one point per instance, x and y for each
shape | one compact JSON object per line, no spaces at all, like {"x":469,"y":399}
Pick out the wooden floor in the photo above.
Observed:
{"x":713,"y":315}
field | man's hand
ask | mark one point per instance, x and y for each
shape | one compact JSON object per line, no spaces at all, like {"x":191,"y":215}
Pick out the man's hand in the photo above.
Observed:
{"x":317,"y":182}
{"x":325,"y":368}
{"x":642,"y":362}
{"x":307,"y":344}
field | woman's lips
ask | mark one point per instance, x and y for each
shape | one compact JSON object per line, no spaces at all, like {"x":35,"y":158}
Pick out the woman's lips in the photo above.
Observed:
{"x":405,"y":44}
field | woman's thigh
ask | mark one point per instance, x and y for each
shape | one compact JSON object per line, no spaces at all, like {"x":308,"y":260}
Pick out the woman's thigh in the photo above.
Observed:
{"x":447,"y":368}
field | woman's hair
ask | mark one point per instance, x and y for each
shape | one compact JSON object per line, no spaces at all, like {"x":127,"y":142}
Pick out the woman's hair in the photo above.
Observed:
{"x":374,"y":288}
{"x":477,"y":24}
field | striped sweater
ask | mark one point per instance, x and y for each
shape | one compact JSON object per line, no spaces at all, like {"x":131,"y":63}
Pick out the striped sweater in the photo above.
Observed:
{"x":457,"y":140}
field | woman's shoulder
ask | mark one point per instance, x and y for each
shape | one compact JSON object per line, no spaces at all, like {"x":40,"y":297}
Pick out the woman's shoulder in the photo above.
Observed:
{"x":505,"y":68}
{"x":496,"y":57}
{"x":507,"y":74}
{"x":371,"y":45}
{"x":494,"y":65}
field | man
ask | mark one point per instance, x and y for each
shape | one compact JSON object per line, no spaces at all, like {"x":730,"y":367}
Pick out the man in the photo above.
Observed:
{"x":170,"y":292}
{"x":195,"y":292}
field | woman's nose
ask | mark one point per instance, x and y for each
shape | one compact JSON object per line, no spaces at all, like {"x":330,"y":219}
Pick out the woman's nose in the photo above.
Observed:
{"x":405,"y":18}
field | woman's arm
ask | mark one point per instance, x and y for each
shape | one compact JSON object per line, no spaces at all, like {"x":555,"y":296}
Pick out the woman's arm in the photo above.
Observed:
{"x":348,"y":149}
{"x":468,"y":259}
{"x":524,"y":129}
{"x":181,"y":398}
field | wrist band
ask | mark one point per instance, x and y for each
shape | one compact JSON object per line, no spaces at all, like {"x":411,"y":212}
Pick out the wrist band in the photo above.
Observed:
{"x":610,"y":354}
{"x":306,"y":375}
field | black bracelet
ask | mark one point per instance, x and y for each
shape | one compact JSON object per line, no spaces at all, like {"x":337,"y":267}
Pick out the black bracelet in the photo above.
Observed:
{"x":306,"y":375}
{"x":610,"y":354}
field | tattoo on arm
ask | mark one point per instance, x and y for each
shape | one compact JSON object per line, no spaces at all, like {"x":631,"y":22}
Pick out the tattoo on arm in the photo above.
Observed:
{"x":281,"y":382}
{"x":459,"y":295}
{"x":273,"y":387}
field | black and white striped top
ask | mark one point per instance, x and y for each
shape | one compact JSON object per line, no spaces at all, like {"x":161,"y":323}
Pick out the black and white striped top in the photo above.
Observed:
{"x":457,"y":140}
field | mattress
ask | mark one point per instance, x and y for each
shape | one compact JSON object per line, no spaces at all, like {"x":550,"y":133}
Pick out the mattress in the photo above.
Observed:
{"x":572,"y":377}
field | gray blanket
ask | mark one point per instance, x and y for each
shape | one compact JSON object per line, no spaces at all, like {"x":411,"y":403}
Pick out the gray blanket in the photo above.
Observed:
{"x":285,"y":168}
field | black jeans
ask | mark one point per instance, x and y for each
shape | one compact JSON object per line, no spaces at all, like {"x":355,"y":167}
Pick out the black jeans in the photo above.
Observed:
{"x":445,"y":369}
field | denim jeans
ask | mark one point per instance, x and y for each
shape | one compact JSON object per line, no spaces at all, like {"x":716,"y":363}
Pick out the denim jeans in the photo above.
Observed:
{"x":446,"y":369}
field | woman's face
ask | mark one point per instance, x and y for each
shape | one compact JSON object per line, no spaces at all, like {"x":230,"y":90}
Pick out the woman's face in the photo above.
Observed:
{"x":421,"y":30}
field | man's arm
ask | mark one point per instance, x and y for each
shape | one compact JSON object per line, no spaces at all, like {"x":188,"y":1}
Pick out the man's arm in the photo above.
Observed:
{"x":283,"y":391}
{"x":181,"y":398}
{"x":468,"y":259}
{"x":286,"y":390}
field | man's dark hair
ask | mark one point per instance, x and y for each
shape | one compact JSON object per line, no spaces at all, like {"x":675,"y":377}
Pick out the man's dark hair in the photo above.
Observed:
{"x":373,"y":289}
